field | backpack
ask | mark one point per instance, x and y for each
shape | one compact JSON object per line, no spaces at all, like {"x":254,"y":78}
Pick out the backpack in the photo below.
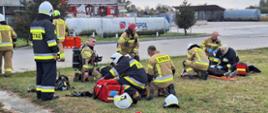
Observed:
{"x":106,"y":89}
{"x":62,"y":83}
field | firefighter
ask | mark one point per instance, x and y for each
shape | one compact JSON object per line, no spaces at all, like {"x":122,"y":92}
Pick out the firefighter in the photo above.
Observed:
{"x":90,"y":58}
{"x":60,"y":30}
{"x":227,"y":60}
{"x":196,"y":64}
{"x":129,"y":73}
{"x":128,"y":42}
{"x":7,"y":38}
{"x":211,"y":44}
{"x":160,"y":71}
{"x":46,"y":52}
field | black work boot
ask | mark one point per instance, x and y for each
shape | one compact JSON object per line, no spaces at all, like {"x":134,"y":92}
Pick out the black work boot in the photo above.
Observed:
{"x":204,"y":75}
{"x":171,"y":89}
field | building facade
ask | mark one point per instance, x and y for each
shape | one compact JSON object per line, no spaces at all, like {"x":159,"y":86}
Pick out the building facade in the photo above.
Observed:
{"x":97,"y":7}
{"x":208,"y":12}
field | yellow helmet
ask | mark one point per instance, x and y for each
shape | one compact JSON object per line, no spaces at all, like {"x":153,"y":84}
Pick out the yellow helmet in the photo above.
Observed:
{"x":56,"y":13}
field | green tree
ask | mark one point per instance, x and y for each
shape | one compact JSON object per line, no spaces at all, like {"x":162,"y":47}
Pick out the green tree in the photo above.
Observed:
{"x":163,"y":8}
{"x":185,"y":16}
{"x":263,"y":6}
{"x":27,"y":14}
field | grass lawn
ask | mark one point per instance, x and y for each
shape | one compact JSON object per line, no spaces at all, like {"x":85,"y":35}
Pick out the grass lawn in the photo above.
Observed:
{"x":21,"y":42}
{"x":168,"y":35}
{"x":245,"y":95}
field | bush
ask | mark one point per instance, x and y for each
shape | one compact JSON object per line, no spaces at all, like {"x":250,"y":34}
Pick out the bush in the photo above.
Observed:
{"x":26,"y":16}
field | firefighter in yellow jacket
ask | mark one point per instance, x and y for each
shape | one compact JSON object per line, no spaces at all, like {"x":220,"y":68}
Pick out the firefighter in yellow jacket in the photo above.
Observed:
{"x":212,"y":43}
{"x":128,"y":42}
{"x":196,"y":64}
{"x":7,"y":37}
{"x":89,"y":60}
{"x":160,"y":71}
{"x":60,"y":30}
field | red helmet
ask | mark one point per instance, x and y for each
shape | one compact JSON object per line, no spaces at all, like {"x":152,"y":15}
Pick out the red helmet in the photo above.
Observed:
{"x":132,"y":27}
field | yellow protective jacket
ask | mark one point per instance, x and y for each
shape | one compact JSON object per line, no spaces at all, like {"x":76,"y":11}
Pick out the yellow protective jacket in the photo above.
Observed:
{"x":162,"y":68}
{"x":128,"y":45}
{"x":88,"y":56}
{"x":7,"y":34}
{"x":209,"y":43}
{"x":60,"y":28}
{"x":197,"y":59}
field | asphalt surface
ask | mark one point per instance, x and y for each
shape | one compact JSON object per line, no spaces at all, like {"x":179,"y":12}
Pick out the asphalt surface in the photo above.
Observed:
{"x":14,"y":104}
{"x":239,"y":35}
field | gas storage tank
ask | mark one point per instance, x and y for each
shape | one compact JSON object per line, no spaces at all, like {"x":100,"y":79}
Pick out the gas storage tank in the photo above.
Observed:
{"x":112,"y":26}
{"x":242,"y":15}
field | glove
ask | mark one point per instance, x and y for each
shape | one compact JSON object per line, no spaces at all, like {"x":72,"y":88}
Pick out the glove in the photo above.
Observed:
{"x":187,"y":62}
{"x":60,"y":57}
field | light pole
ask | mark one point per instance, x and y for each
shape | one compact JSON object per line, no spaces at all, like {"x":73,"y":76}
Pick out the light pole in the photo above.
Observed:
{"x":3,"y":8}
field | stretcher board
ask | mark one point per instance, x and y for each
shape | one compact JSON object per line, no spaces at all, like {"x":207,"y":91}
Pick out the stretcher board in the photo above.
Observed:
{"x":223,"y":78}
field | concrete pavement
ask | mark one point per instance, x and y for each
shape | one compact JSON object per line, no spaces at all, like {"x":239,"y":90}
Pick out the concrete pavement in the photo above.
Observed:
{"x":15,"y":104}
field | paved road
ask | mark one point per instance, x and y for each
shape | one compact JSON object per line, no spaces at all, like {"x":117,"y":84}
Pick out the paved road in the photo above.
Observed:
{"x":15,"y":104}
{"x":240,"y":35}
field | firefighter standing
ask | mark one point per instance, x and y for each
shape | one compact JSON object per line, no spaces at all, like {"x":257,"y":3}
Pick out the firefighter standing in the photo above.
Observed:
{"x":7,"y":37}
{"x":128,"y":42}
{"x":197,"y":62}
{"x":60,"y":30}
{"x":212,"y":43}
{"x":130,"y":73}
{"x":89,"y":60}
{"x":46,"y":52}
{"x":160,"y":70}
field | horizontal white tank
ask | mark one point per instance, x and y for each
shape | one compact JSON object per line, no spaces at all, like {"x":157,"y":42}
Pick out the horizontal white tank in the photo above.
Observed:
{"x":111,"y":26}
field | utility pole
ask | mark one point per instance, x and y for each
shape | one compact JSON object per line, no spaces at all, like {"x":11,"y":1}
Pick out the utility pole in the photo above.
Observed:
{"x":3,"y":8}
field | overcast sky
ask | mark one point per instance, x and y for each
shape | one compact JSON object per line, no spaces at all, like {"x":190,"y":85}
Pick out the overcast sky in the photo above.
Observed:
{"x":234,"y":4}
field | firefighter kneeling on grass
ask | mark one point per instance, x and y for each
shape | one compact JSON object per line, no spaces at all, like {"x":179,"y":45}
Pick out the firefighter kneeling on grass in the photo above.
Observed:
{"x":196,"y":64}
{"x":131,"y":74}
{"x":89,"y":58}
{"x":160,"y":70}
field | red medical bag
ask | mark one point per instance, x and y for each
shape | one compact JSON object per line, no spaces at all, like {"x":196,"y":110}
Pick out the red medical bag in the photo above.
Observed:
{"x":106,"y":89}
{"x":241,"y":69}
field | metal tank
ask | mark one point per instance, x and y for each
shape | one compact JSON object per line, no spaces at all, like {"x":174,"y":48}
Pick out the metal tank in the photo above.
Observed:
{"x":242,"y":15}
{"x":112,"y":26}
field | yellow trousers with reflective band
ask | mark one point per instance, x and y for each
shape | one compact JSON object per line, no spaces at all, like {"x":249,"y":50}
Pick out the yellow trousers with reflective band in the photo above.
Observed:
{"x":201,"y":66}
{"x":7,"y":55}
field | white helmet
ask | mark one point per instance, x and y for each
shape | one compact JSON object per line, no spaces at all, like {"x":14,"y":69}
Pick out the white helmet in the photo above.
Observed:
{"x":171,"y":101}
{"x":45,"y":8}
{"x":115,"y":57}
{"x":123,"y":101}
{"x":2,"y":18}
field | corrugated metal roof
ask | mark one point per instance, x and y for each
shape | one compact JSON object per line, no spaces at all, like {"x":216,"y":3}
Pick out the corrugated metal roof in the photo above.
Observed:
{"x":204,"y":8}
